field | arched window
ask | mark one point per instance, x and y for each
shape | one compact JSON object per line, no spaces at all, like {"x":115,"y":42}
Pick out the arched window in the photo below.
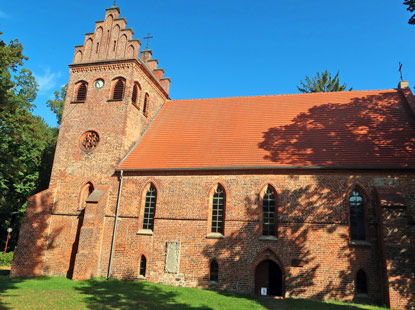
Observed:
{"x":86,"y":190}
{"x":357,"y":216}
{"x":146,"y":103}
{"x":268,"y":212}
{"x":143,"y":265}
{"x":218,"y":210}
{"x":136,"y":93}
{"x":214,"y":271}
{"x":361,"y":282}
{"x":150,"y":208}
{"x":118,"y":90}
{"x":82,"y":89}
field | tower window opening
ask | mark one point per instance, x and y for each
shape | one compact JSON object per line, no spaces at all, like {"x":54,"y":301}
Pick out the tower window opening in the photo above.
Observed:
{"x":81,"y":95}
{"x":118,"y":90}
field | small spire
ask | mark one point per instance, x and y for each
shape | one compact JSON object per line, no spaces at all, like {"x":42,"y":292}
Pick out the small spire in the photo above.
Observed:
{"x":114,"y":3}
{"x":148,"y":37}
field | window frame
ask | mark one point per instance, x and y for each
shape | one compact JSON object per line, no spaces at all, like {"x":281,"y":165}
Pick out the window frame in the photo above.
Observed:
{"x":361,"y":225}
{"x":275,"y":213}
{"x":141,"y":224}
{"x":211,"y":234}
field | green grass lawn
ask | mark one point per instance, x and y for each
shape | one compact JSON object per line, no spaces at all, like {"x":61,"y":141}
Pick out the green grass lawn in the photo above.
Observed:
{"x":61,"y":293}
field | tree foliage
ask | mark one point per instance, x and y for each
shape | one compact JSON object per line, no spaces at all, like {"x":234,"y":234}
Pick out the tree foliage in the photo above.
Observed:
{"x":56,"y":105}
{"x":410,"y":8}
{"x":24,"y":139}
{"x":322,"y":82}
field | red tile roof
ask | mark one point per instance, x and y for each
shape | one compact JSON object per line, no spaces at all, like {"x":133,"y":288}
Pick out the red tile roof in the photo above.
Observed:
{"x":340,"y":129}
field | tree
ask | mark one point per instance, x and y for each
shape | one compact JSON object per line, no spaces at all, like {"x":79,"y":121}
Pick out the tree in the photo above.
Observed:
{"x":23,"y":138}
{"x":410,"y":8}
{"x":322,"y":83}
{"x":57,"y":105}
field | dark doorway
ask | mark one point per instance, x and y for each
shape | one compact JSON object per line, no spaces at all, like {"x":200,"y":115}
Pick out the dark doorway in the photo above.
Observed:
{"x":75,"y":245}
{"x":268,"y":274}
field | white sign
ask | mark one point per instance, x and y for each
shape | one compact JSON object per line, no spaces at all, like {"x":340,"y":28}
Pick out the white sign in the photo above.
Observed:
{"x":263,"y":291}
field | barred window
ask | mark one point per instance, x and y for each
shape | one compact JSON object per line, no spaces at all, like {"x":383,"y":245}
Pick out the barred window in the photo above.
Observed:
{"x":357,"y":216}
{"x":135,"y":94}
{"x":218,"y":210}
{"x":81,"y":95}
{"x":143,"y":265}
{"x":150,"y":208}
{"x":268,"y":212}
{"x":145,"y":105}
{"x":118,"y":90}
{"x":214,"y":271}
{"x":361,"y":282}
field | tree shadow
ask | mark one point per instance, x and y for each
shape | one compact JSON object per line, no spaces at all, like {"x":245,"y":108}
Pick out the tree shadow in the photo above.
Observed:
{"x":313,"y":218}
{"x":376,"y":130}
{"x":123,"y":294}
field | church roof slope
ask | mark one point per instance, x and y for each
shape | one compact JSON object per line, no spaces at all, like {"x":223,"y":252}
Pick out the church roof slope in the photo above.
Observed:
{"x":354,"y":129}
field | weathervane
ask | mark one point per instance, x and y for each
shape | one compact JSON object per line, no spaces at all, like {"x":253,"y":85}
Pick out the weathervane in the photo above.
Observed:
{"x":400,"y":70}
{"x":148,"y":37}
{"x":114,"y":3}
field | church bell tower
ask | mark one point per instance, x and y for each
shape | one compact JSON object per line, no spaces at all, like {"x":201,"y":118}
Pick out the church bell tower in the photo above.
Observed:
{"x":112,"y":96}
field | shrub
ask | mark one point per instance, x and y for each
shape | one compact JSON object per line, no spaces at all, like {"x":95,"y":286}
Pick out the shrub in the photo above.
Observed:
{"x":6,"y":259}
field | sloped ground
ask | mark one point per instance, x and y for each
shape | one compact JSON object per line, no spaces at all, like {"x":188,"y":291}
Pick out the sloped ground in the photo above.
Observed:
{"x":61,"y":293}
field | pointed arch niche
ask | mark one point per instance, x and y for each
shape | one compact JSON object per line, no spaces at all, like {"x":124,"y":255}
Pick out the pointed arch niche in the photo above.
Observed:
{"x":86,"y":190}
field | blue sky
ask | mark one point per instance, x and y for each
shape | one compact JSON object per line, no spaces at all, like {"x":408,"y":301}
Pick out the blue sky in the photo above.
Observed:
{"x":220,"y":48}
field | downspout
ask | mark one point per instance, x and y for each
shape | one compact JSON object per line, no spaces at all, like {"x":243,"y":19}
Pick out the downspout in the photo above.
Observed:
{"x":115,"y":225}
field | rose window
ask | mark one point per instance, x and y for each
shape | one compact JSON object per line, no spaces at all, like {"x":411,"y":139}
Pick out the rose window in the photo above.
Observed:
{"x":89,"y":140}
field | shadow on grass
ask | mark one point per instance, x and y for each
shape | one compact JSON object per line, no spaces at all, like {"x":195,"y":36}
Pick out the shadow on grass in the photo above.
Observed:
{"x":9,"y":284}
{"x":121,"y":294}
{"x":308,"y":304}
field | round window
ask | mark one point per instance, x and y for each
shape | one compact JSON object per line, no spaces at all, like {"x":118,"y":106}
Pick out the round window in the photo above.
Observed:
{"x":89,"y":141}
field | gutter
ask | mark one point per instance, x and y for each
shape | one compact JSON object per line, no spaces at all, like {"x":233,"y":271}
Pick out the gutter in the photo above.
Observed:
{"x":114,"y":234}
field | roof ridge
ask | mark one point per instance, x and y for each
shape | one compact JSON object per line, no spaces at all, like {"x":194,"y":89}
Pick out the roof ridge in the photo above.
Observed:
{"x":282,"y":95}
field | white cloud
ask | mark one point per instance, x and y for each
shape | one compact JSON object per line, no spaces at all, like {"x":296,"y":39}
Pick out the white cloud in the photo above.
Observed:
{"x":48,"y":80}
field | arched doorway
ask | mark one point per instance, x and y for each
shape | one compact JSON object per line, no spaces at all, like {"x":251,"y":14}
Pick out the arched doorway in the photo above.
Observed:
{"x":269,"y":275}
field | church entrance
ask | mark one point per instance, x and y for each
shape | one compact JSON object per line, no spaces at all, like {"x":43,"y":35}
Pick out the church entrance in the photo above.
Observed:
{"x":268,"y":275}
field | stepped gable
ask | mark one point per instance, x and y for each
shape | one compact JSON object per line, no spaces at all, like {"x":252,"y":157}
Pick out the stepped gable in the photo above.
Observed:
{"x":354,"y":129}
{"x":112,"y":41}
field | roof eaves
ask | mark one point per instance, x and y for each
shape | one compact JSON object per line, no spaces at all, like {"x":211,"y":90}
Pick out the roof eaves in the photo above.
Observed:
{"x":276,"y":168}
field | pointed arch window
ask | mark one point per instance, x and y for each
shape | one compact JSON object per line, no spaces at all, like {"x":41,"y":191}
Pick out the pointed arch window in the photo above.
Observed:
{"x":357,"y":216}
{"x":214,"y":271}
{"x":218,"y":210}
{"x":269,"y":212}
{"x":143,"y":266}
{"x":146,"y":103}
{"x":136,"y":93}
{"x":150,"y":208}
{"x":118,"y":93}
{"x":361,"y":282}
{"x":82,"y":90}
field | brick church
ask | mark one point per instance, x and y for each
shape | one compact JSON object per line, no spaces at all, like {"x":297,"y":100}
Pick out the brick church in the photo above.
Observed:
{"x":304,"y":195}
